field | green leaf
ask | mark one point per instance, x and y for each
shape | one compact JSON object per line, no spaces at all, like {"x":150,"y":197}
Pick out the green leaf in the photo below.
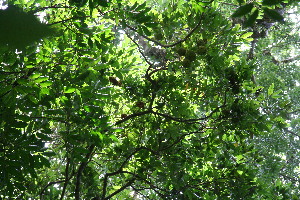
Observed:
{"x":114,"y":138}
{"x":142,"y":18}
{"x":140,"y":7}
{"x":55,"y":112}
{"x":246,"y":35}
{"x":250,"y":21}
{"x":78,"y":3}
{"x":273,"y":14}
{"x":271,"y":89}
{"x":43,"y":137}
{"x":98,"y":45}
{"x":69,"y":90}
{"x":276,"y":94}
{"x":83,"y":76}
{"x":21,"y":28}
{"x":146,"y":30}
{"x":41,"y":79}
{"x":103,"y":3}
{"x":24,"y":118}
{"x":19,"y":124}
{"x":151,"y":24}
{"x":23,"y":81}
{"x":35,"y":75}
{"x":134,"y":6}
{"x":90,"y":43}
{"x":49,"y":153}
{"x":46,"y":84}
{"x":81,"y":150}
{"x":271,"y":2}
{"x":33,"y":99}
{"x":43,"y":161}
{"x":243,"y":10}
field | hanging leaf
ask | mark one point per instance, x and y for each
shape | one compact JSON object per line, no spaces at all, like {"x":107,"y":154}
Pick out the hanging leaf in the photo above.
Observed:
{"x":78,"y":3}
{"x":146,"y":30}
{"x":90,"y":43}
{"x":103,"y":3}
{"x":250,"y":21}
{"x":246,"y":35}
{"x":243,"y":10}
{"x":69,"y":90}
{"x":271,"y":89}
{"x":273,"y":14}
{"x":20,"y":29}
{"x":83,"y":76}
{"x":141,"y":7}
{"x":271,"y":2}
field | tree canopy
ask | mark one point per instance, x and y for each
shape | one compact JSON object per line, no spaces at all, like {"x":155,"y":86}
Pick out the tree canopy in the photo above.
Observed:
{"x":143,"y":99}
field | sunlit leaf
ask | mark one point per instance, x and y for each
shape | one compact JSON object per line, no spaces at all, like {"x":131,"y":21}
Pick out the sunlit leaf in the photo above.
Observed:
{"x":271,"y":89}
{"x":69,"y":90}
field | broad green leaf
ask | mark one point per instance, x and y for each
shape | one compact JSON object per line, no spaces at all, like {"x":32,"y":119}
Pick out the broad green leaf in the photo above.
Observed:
{"x":99,"y":46}
{"x":251,"y":20}
{"x":151,"y":24}
{"x":43,"y":137}
{"x":271,"y":2}
{"x":114,"y":138}
{"x":276,"y":94}
{"x":243,"y":10}
{"x":80,"y":150}
{"x":103,"y":3}
{"x":55,"y":112}
{"x":23,"y":81}
{"x":35,"y":75}
{"x":271,"y":89}
{"x":246,"y":35}
{"x":90,"y":43}
{"x":133,"y":7}
{"x":24,"y":89}
{"x":83,"y":76}
{"x":78,"y":3}
{"x":46,"y":83}
{"x":43,"y":161}
{"x":142,"y":18}
{"x":24,"y":118}
{"x":41,"y":79}
{"x":273,"y":14}
{"x":146,"y":30}
{"x":141,"y":7}
{"x":19,"y":124}
{"x":22,"y":29}
{"x":33,"y":99}
{"x":69,"y":90}
{"x":49,"y":153}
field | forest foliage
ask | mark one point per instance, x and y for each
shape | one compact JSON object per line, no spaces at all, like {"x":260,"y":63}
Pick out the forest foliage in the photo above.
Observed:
{"x":142,"y":99}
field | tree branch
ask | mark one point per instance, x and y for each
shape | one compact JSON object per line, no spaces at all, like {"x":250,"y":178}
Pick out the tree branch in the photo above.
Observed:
{"x":174,"y":44}
{"x":49,"y":184}
{"x":120,"y":189}
{"x":80,"y":170}
{"x":132,"y":116}
{"x":120,"y":170}
{"x":67,"y":178}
